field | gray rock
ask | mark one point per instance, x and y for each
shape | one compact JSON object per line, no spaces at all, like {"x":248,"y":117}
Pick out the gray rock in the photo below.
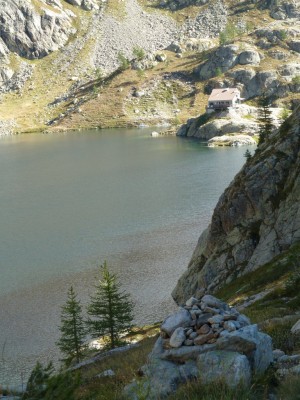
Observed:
{"x":212,"y":301}
{"x":228,"y":366}
{"x":161,"y":57}
{"x":89,"y":5}
{"x":29,"y":34}
{"x":202,"y":339}
{"x":184,"y":353}
{"x":291,"y":70}
{"x":277,"y":354}
{"x":223,"y":59}
{"x":203,"y":319}
{"x":230,"y":326}
{"x":256,"y":345}
{"x":74,"y":2}
{"x":191,"y":301}
{"x":234,"y":140}
{"x":107,"y":373}
{"x":178,"y":337}
{"x":249,"y":57}
{"x":216,"y":319}
{"x":240,"y":343}
{"x":182,"y":318}
{"x":174,"y":47}
{"x":243,"y":320}
{"x":295,"y":45}
{"x":204,"y":329}
{"x":285,"y":9}
{"x":296,"y":328}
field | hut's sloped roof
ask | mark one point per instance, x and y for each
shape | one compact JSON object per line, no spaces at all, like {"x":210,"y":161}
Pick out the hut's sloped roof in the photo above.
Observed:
{"x":226,"y":94}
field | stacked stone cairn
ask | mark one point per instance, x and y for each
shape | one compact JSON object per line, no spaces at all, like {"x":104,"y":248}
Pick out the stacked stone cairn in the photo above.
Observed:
{"x":206,"y":340}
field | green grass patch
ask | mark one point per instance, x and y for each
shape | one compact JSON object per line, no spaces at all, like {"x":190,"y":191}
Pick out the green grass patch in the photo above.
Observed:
{"x":198,"y":391}
{"x":290,"y":388}
{"x":126,"y":367}
{"x":267,"y":276}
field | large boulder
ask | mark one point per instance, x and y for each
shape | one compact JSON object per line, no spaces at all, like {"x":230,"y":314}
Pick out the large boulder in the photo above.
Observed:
{"x":228,"y":366}
{"x":233,"y":140}
{"x":180,"y":319}
{"x":256,"y":345}
{"x":221,"y":60}
{"x":285,"y":9}
{"x":249,"y":57}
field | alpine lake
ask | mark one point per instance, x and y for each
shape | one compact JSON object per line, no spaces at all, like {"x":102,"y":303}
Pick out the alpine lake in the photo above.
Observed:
{"x":69,"y":202}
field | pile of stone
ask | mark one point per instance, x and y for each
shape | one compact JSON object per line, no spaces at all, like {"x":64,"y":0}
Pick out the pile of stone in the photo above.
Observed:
{"x":201,"y":322}
{"x":207,"y":340}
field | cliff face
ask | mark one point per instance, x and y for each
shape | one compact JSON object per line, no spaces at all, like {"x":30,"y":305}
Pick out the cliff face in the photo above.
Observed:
{"x":256,"y":218}
{"x":33,"y":32}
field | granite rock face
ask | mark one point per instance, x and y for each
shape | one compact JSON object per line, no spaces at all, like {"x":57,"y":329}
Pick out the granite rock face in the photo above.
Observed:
{"x":30,"y":32}
{"x":256,"y":218}
{"x":219,"y":343}
{"x":285,"y":9}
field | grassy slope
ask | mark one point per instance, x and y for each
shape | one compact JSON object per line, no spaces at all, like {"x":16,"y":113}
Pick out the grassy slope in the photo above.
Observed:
{"x":30,"y":108}
{"x":107,"y":106}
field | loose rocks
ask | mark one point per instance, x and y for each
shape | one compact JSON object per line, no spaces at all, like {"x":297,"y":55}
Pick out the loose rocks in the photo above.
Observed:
{"x":206,"y":338}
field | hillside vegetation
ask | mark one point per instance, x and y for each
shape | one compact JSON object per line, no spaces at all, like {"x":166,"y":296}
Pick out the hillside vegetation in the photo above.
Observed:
{"x":65,"y":88}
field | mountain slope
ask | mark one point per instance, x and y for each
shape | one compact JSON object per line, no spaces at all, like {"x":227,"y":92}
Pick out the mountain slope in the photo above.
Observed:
{"x":256,"y":218}
{"x":54,"y":52}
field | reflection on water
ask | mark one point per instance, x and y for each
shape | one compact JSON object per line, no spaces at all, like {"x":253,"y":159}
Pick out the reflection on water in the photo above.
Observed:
{"x":69,"y":202}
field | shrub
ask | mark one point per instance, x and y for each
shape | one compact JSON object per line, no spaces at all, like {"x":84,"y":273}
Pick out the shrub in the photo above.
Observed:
{"x":296,"y":80}
{"x":124,"y":62}
{"x":139,"y":53}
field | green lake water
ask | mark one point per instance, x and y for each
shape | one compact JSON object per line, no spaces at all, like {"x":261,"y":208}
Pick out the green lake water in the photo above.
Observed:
{"x":70,"y":201}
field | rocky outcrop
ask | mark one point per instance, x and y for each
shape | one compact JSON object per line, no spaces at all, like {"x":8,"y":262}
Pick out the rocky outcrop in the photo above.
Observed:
{"x":231,"y":140}
{"x":256,"y":218}
{"x":225,"y":58}
{"x":205,"y":339}
{"x":285,"y":9}
{"x":235,"y":126}
{"x":87,"y":5}
{"x":33,"y":33}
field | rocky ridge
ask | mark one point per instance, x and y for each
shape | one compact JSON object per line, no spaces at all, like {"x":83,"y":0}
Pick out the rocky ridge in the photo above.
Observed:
{"x":204,"y":339}
{"x":235,"y":126}
{"x":256,"y":218}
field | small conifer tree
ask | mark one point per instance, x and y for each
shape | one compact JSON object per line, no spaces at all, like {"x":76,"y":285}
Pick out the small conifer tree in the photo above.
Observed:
{"x":264,"y":119}
{"x":72,"y":329}
{"x":43,"y":385}
{"x":37,"y":383}
{"x":247,"y":155}
{"x":111,"y":309}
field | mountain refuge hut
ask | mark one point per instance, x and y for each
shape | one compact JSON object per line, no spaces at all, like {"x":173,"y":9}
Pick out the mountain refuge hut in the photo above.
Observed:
{"x":221,"y":99}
